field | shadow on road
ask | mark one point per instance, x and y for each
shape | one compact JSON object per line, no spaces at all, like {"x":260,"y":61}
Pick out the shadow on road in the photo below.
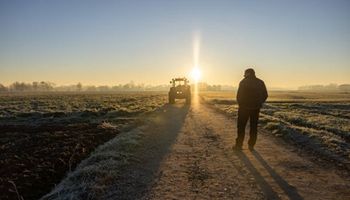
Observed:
{"x":159,"y":136}
{"x":290,"y":191}
{"x":269,"y":192}
{"x":265,"y":187}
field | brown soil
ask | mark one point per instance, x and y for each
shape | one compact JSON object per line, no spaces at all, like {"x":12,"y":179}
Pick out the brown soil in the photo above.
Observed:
{"x":35,"y":158}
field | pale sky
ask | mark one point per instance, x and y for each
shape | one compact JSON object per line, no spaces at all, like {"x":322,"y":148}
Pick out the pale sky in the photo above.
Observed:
{"x":289,"y":43}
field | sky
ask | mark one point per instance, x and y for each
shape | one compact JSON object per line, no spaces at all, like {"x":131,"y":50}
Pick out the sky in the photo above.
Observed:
{"x":289,"y":43}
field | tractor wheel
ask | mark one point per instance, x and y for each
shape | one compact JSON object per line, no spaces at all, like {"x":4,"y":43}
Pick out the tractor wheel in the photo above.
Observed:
{"x":188,"y":99}
{"x":171,"y":99}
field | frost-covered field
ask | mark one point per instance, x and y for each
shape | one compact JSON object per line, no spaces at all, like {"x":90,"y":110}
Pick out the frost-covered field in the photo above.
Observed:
{"x":68,"y":108}
{"x":317,"y":122}
{"x":43,"y":136}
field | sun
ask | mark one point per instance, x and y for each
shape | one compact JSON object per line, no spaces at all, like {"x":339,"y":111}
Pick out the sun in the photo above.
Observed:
{"x":196,"y":74}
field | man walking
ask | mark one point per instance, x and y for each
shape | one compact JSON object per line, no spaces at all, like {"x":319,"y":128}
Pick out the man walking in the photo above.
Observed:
{"x":251,"y":95}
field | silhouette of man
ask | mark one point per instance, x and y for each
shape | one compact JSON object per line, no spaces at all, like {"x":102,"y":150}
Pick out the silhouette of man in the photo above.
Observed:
{"x":251,"y":95}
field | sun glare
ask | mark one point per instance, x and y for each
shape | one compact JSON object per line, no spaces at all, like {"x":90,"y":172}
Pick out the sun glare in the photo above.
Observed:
{"x":196,"y":74}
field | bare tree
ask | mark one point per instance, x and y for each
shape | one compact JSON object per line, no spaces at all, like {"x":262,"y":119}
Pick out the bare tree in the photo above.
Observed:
{"x":3,"y":88}
{"x":79,"y":86}
{"x":35,"y":85}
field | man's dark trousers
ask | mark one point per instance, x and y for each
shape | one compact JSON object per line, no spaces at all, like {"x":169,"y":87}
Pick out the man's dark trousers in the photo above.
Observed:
{"x":243,"y":115}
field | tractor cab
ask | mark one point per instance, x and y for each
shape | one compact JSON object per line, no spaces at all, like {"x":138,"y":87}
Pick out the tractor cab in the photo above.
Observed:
{"x":180,"y":89}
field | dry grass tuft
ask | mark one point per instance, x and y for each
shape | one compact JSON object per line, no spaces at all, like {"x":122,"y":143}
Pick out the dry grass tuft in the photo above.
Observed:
{"x":94,"y":177}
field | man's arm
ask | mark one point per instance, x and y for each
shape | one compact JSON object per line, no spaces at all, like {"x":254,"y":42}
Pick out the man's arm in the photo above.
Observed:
{"x":264,"y":92}
{"x":239,"y":94}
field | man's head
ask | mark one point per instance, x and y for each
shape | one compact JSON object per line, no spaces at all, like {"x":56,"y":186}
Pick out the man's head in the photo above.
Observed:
{"x":249,"y":72}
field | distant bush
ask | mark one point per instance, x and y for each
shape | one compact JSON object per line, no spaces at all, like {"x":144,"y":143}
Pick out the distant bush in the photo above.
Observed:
{"x":344,"y":87}
{"x":330,"y":87}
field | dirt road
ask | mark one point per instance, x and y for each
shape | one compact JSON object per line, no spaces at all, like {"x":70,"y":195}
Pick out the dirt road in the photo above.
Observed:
{"x":186,"y":153}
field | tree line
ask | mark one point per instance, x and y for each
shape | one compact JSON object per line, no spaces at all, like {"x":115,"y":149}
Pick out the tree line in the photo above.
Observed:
{"x":46,"y":86}
{"x":22,"y":86}
{"x":329,"y":87}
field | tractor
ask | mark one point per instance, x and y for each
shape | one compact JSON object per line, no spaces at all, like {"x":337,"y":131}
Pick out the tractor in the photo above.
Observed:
{"x":180,"y":89}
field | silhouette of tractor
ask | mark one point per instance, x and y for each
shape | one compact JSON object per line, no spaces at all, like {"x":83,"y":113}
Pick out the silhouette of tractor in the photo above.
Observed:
{"x":179,"y":90}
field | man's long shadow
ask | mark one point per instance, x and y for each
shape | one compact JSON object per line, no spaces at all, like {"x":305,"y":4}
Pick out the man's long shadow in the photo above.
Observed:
{"x":265,"y":187}
{"x":165,"y":125}
{"x":286,"y":187}
{"x":289,"y":190}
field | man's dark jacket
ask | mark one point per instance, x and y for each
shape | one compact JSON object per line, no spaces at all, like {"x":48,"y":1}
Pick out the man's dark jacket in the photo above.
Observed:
{"x":251,"y":93}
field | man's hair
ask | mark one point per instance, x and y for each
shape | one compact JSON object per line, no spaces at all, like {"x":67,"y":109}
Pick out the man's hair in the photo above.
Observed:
{"x":249,"y":72}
